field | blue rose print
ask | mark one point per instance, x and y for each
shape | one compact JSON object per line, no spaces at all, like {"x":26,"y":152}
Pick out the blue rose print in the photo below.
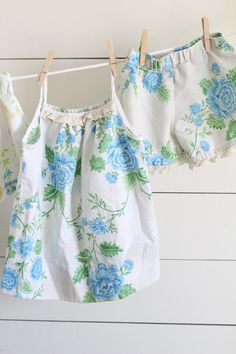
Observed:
{"x":215,"y":68}
{"x":24,"y":246}
{"x":117,"y":120}
{"x":70,"y":138}
{"x":222,"y":98}
{"x":9,"y":279}
{"x":61,"y":138}
{"x":132,"y":66}
{"x":105,"y":282}
{"x":98,"y":226}
{"x":156,"y":160}
{"x":152,"y":81}
{"x":198,"y":121}
{"x":111,"y":177}
{"x":168,"y":65}
{"x":128,"y":264}
{"x":36,"y":270}
{"x":121,"y":155}
{"x":195,"y":108}
{"x":63,"y":169}
{"x":205,"y":146}
{"x":13,"y":219}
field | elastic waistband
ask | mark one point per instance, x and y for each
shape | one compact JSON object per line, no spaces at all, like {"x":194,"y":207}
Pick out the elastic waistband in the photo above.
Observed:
{"x":166,"y":60}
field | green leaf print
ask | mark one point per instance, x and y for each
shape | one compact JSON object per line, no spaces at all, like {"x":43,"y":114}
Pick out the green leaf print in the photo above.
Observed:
{"x":73,"y":152}
{"x":81,"y":273}
{"x":97,"y":163}
{"x":84,"y":256}
{"x":78,"y":167}
{"x":232,"y":76}
{"x":163,"y":93}
{"x":167,"y":152}
{"x":88,"y":297}
{"x":130,"y":179}
{"x":33,"y":136}
{"x":142,"y":175}
{"x":126,"y":290}
{"x":205,"y":85}
{"x":27,"y":287}
{"x":38,"y":247}
{"x":103,"y":144}
{"x":50,"y":193}
{"x":109,"y":249}
{"x":49,"y":154}
{"x":61,"y":198}
{"x":11,"y":253}
{"x":215,"y":123}
{"x":231,"y":132}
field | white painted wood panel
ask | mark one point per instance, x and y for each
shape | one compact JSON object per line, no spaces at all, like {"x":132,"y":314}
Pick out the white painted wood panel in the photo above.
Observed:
{"x":188,"y":292}
{"x":74,"y":338}
{"x":75,"y":27}
{"x":190,"y":226}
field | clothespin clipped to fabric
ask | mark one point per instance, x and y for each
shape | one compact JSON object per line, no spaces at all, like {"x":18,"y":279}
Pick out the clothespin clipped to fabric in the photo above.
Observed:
{"x":143,"y":47}
{"x":112,"y":58}
{"x":44,"y":71}
{"x":206,"y":34}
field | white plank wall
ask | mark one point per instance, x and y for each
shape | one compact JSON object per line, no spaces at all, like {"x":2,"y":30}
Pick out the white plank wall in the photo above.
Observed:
{"x":192,"y":309}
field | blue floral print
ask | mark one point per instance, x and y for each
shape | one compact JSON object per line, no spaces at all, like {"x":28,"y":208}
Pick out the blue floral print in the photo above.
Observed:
{"x":205,"y":145}
{"x":13,"y":219}
{"x":152,"y":80}
{"x":121,"y":155}
{"x":105,"y":282}
{"x":215,"y":68}
{"x":61,"y":138}
{"x":128,"y":264}
{"x":10,"y":279}
{"x":63,"y":169}
{"x":132,"y":66}
{"x":222,"y":98}
{"x":117,"y":120}
{"x":212,"y":114}
{"x":23,"y":247}
{"x":195,"y":108}
{"x":98,"y":226}
{"x":70,"y":138}
{"x":111,"y":177}
{"x":198,"y":121}
{"x":36,"y":270}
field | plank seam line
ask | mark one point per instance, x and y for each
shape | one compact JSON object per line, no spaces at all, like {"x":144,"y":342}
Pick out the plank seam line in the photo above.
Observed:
{"x":187,"y":259}
{"x":125,"y":322}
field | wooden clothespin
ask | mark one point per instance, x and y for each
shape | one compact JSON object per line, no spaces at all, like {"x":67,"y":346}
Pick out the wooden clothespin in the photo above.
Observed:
{"x":112,"y":58}
{"x":44,"y":71}
{"x":206,"y":34}
{"x":143,"y":47}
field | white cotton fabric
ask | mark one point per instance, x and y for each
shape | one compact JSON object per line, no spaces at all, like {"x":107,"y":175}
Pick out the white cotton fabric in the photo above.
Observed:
{"x":83,"y":225}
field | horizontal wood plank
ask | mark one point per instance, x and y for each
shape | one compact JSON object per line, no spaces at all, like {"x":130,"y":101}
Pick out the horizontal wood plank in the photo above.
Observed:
{"x":188,"y":292}
{"x":58,"y":338}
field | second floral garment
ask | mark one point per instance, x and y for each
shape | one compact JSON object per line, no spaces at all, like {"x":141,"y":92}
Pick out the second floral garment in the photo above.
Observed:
{"x":12,"y":129}
{"x":183,"y":101}
{"x":82,"y":227}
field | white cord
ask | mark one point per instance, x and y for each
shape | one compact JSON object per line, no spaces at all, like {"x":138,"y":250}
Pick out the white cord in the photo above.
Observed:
{"x":65,"y":70}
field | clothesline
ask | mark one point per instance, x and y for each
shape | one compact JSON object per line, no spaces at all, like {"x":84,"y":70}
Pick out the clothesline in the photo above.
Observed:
{"x":93,"y":66}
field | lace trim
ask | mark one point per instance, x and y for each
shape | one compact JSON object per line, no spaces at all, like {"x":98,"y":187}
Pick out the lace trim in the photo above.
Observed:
{"x":76,"y":116}
{"x":193,"y":162}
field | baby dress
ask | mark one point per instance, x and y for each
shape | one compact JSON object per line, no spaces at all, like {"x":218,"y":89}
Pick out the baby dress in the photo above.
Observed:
{"x":12,"y":129}
{"x":83,"y":226}
{"x":183,"y":101}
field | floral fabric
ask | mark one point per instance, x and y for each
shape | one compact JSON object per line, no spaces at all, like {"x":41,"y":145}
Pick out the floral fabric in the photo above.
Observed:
{"x":183,"y":101}
{"x":82,"y":226}
{"x":12,"y":128}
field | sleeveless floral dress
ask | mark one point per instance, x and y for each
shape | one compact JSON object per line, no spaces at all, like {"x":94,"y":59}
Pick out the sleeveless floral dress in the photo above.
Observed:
{"x":82,"y":227}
